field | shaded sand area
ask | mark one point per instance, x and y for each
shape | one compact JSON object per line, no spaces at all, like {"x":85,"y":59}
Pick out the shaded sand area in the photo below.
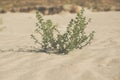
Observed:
{"x":98,"y":61}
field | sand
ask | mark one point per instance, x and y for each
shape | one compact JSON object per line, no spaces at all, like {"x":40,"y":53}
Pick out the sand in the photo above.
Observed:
{"x":98,"y":61}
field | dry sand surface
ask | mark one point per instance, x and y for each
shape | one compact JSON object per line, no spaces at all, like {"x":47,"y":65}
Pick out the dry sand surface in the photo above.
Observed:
{"x":98,"y":61}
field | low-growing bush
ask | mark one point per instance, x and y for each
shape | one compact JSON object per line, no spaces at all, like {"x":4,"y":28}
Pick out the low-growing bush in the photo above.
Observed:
{"x":52,"y":40}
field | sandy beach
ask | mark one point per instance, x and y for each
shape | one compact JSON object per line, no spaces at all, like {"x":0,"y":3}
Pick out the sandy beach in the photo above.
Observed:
{"x":98,"y":61}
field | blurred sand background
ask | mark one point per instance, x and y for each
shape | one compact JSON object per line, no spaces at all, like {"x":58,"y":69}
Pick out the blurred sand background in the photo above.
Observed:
{"x":98,"y":61}
{"x":57,"y":5}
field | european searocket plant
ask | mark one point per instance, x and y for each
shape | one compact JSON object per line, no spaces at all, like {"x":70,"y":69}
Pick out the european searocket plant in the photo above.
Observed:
{"x":53,"y":41}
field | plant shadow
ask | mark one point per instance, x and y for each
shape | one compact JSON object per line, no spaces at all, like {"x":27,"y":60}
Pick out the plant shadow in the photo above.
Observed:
{"x":31,"y":50}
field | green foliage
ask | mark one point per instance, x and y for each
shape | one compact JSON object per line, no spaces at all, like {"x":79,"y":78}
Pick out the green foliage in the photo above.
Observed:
{"x":74,"y":37}
{"x":45,"y":29}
